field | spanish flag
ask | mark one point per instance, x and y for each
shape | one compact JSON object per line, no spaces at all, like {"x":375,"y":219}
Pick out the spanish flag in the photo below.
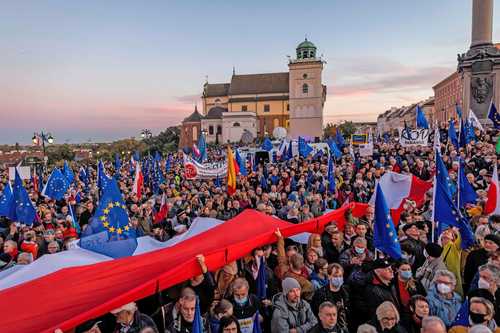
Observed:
{"x":231,"y":172}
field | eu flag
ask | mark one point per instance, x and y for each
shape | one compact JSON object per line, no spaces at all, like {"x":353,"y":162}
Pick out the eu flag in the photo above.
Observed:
{"x":421,"y":120}
{"x":102,"y":179}
{"x":197,"y":322}
{"x":118,"y":163}
{"x":109,"y":233}
{"x":57,"y":185}
{"x":136,"y":156}
{"x":25,"y":212}
{"x":7,"y":207}
{"x":339,"y":138}
{"x":290,"y":151}
{"x":452,"y":134}
{"x":68,"y":173}
{"x":458,"y":109}
{"x":304,"y":148}
{"x":83,"y":176}
{"x":261,"y":282}
{"x":446,"y":213}
{"x":267,"y":145}
{"x":466,"y":193}
{"x":385,"y":237}
{"x":334,"y":149}
{"x":462,"y":317}
{"x":202,"y":146}
{"x":241,"y":164}
{"x":494,"y":116}
{"x":331,"y":176}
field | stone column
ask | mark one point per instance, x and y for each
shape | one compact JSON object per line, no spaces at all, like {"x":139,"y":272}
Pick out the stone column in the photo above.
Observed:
{"x":482,"y":22}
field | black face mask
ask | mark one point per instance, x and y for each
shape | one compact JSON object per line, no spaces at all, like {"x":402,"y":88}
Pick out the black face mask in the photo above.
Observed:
{"x":477,"y":318}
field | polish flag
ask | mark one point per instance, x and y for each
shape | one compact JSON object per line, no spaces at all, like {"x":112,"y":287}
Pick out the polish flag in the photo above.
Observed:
{"x":398,"y":188}
{"x":493,"y":204}
{"x":138,"y":181}
{"x":162,"y":213}
{"x":196,"y":151}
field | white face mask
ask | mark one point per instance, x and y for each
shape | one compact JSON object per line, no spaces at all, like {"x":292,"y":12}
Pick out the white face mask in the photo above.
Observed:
{"x":483,"y":284}
{"x":443,"y":288}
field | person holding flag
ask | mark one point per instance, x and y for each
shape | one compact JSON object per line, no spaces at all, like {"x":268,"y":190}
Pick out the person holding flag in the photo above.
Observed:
{"x":231,"y":172}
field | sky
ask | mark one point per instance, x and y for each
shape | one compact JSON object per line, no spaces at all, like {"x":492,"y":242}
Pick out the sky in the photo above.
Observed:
{"x":103,"y":70}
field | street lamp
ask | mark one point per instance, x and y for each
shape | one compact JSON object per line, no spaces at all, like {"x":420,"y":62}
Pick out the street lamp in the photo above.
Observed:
{"x":146,"y":134}
{"x":43,"y":138}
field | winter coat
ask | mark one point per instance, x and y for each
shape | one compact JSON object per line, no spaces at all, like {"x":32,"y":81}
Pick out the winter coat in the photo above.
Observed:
{"x":318,"y":328}
{"x":475,"y":259}
{"x":287,"y":316}
{"x":444,"y":308}
{"x":340,"y":298}
{"x":377,"y":293}
{"x":425,"y":273}
{"x":141,"y":321}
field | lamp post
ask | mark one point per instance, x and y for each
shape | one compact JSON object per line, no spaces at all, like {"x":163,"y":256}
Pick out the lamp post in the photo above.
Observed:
{"x":42,"y":138}
{"x":146,"y":134}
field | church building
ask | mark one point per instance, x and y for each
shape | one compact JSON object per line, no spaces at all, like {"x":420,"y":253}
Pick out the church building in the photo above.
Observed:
{"x":255,"y":104}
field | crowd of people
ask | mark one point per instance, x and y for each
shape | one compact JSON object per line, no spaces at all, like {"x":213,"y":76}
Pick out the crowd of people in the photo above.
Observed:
{"x":337,"y":282}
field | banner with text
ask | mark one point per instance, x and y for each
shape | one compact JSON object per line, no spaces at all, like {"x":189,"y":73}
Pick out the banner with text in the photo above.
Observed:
{"x":195,"y":170}
{"x":414,"y":137}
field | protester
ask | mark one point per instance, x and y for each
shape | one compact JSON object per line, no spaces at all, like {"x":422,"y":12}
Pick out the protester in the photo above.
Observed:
{"x":443,"y":301}
{"x":327,"y":320}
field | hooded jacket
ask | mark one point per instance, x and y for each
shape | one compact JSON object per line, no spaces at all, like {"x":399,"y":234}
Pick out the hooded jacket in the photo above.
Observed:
{"x":287,"y":315}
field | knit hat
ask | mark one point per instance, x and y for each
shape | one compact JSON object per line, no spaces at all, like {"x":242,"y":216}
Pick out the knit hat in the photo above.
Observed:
{"x":493,"y":238}
{"x":434,"y":250}
{"x":288,"y":284}
{"x":380,"y":263}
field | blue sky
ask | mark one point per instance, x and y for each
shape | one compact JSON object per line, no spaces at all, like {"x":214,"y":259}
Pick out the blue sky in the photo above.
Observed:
{"x":104,"y":70}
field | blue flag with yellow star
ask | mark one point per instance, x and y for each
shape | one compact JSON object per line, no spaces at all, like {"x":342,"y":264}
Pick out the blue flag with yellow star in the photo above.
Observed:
{"x":25,"y":211}
{"x":385,"y":237}
{"x":56,"y":185}
{"x":7,"y":207}
{"x":109,"y":233}
{"x":494,"y":116}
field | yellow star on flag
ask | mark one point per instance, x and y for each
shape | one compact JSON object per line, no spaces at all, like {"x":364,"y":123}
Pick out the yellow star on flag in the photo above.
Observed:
{"x":106,"y":224}
{"x":110,"y":205}
{"x":103,"y":218}
{"x":117,"y":204}
{"x":112,"y":229}
{"x":126,"y":227}
{"x":119,"y":231}
{"x":105,"y":211}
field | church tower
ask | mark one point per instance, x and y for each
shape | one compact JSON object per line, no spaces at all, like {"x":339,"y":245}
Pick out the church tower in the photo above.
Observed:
{"x":307,"y":94}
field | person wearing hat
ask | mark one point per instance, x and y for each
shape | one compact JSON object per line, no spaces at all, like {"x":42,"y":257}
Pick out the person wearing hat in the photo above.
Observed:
{"x":130,"y":320}
{"x":413,"y":245}
{"x":433,"y":263}
{"x":291,"y":313}
{"x":479,"y":257}
{"x":381,"y":286}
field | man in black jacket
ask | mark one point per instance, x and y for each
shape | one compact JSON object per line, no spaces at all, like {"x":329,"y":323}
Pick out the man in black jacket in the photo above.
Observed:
{"x":479,"y":257}
{"x":328,"y":320}
{"x":381,"y":287}
{"x":413,"y":245}
{"x":130,"y":320}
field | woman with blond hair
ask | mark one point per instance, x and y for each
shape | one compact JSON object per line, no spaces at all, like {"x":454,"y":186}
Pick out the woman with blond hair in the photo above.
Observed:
{"x":314,"y":243}
{"x":388,"y":319}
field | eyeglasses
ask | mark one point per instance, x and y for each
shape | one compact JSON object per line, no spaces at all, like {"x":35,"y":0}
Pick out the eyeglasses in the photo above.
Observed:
{"x":389,"y":319}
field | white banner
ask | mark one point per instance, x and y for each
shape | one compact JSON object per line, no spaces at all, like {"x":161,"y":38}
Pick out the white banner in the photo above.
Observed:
{"x":366,"y":150}
{"x":414,"y":137}
{"x":195,"y":170}
{"x":24,"y":172}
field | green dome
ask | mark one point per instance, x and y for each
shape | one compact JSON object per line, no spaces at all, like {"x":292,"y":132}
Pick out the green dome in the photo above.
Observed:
{"x":306,"y":44}
{"x":306,"y":50}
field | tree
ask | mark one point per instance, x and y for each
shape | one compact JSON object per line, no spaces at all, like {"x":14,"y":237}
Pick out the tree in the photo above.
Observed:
{"x":347,"y":128}
{"x":58,"y":153}
{"x":165,"y":141}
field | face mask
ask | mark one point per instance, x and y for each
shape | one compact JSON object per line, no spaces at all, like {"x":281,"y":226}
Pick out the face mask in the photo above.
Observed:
{"x":483,"y":284}
{"x":426,"y":255}
{"x":406,"y":275}
{"x":337,"y":282}
{"x":241,"y":301}
{"x":443,"y":288}
{"x":476,"y":318}
{"x":359,"y":250}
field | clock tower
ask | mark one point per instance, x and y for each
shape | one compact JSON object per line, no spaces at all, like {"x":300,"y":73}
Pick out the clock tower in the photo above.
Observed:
{"x":307,"y":94}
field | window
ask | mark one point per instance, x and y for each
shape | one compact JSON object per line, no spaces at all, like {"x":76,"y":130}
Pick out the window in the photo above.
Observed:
{"x":195,"y":132}
{"x":267,"y":107}
{"x":217,"y":101}
{"x":210,"y":130}
{"x":305,"y":88}
{"x":244,"y":108}
{"x":219,"y":129}
{"x":304,"y":76}
{"x":236,"y":125}
{"x":288,"y":107}
{"x":276,"y":122}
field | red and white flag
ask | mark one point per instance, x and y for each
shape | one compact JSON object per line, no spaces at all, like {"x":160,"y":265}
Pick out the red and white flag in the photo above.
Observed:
{"x":196,"y":151}
{"x":164,"y":208}
{"x":493,"y":204}
{"x":138,"y":181}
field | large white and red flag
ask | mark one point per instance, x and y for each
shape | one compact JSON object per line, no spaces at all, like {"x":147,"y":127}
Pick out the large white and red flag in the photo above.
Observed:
{"x":493,"y":204}
{"x":138,"y":181}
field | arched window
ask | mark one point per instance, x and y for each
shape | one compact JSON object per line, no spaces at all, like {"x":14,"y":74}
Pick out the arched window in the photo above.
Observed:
{"x":217,"y":101}
{"x":236,"y":125}
{"x":219,"y":129}
{"x":195,"y":132}
{"x":210,"y":130}
{"x":305,"y":88}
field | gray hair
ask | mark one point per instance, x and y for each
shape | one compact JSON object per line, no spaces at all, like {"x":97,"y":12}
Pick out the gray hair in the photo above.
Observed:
{"x":366,"y":328}
{"x":240,"y":283}
{"x":25,"y":255}
{"x":327,"y":304}
{"x":495,"y":271}
{"x":479,"y":329}
{"x":384,"y":307}
{"x":359,"y":240}
{"x":482,"y":231}
{"x":445,"y":272}
{"x":432,"y":321}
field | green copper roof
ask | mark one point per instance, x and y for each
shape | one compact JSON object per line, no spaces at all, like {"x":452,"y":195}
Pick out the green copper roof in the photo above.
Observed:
{"x":306,"y":44}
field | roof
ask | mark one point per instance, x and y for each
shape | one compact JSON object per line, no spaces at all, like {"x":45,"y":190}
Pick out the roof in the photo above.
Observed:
{"x":215,"y":89}
{"x":215,"y":112}
{"x":259,"y":83}
{"x":306,"y":44}
{"x":193,"y":117}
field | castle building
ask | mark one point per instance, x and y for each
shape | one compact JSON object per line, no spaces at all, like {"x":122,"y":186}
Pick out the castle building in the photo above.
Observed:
{"x":255,"y":104}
